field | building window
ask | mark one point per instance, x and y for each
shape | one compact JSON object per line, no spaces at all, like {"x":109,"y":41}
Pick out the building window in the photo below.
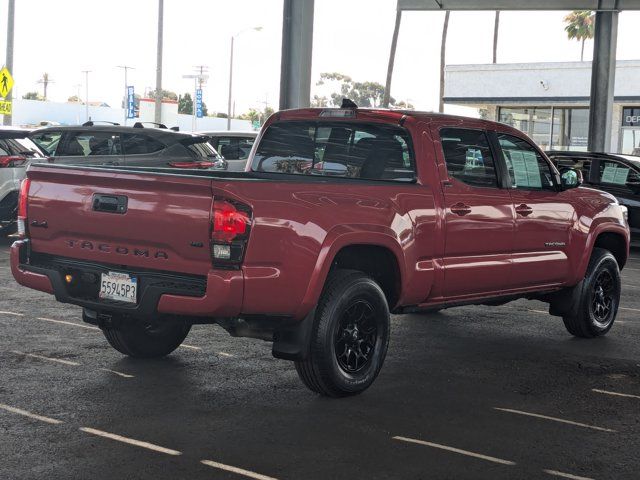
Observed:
{"x":570,"y":129}
{"x":534,"y":121}
{"x":551,"y":128}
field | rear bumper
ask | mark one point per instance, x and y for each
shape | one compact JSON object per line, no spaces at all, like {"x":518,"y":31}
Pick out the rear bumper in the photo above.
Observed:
{"x":219,"y":294}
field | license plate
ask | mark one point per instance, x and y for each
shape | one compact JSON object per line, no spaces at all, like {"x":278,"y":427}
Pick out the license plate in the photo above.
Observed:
{"x":118,"y":286}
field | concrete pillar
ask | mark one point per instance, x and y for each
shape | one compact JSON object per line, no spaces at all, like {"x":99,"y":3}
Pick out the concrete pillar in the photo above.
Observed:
{"x":297,"y":48}
{"x":603,"y":77}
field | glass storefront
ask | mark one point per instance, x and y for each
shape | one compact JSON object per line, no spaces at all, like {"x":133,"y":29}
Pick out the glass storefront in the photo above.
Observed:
{"x":553,"y":128}
{"x":630,"y":135}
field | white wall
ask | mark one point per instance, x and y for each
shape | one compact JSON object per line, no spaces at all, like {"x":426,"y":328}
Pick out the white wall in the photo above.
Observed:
{"x":523,"y":80}
{"x":31,"y":112}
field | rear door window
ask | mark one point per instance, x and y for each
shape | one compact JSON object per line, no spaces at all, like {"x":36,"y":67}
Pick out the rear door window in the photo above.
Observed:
{"x":85,"y":144}
{"x":468,"y":157}
{"x":338,"y":149}
{"x":140,"y":144}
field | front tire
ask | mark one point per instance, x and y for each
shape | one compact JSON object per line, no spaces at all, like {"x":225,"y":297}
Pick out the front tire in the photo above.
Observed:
{"x":350,"y":336}
{"x":599,"y":297}
{"x":140,"y":339}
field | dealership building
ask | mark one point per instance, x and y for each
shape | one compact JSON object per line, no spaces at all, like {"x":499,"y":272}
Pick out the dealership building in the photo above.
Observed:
{"x":549,"y":101}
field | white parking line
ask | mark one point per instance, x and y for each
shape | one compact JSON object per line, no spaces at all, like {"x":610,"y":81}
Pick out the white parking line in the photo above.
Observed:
{"x":190,"y":347}
{"x":555,"y":473}
{"x":615,"y":394}
{"x":88,"y":327}
{"x":456,"y":450}
{"x":553,"y":419}
{"x":239,"y":471}
{"x":630,"y":309}
{"x":130,"y":441}
{"x":225,"y":354}
{"x":24,"y":413}
{"x":124,"y":375}
{"x":40,"y":357}
{"x":12,"y":313}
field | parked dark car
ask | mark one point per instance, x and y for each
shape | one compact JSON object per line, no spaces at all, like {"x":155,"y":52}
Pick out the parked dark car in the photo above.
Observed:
{"x":235,"y":147}
{"x":16,"y":152}
{"x":617,"y":174}
{"x":138,"y":145}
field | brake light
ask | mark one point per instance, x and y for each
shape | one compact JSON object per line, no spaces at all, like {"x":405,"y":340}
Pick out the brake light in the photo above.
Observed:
{"x":192,"y":164}
{"x":22,"y":207}
{"x":229,"y":232}
{"x":10,"y":161}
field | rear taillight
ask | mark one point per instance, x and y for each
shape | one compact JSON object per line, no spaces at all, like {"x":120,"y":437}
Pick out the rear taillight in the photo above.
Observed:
{"x":22,"y":207}
{"x":10,"y":161}
{"x":231,"y":222}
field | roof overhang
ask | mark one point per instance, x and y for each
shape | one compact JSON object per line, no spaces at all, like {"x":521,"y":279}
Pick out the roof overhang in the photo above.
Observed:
{"x":602,"y":5}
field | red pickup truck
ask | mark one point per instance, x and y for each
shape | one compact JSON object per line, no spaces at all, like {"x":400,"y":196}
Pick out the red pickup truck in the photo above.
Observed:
{"x":342,"y":217}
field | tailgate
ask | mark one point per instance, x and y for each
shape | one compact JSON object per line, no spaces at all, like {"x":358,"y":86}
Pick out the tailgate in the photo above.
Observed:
{"x":163,"y":223}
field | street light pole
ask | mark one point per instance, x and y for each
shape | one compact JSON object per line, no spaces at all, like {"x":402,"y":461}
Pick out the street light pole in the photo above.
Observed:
{"x":158,"y":104}
{"x":86,"y":93}
{"x":9,"y":63}
{"x":126,"y":89}
{"x":256,"y":29}
{"x":230,"y":85}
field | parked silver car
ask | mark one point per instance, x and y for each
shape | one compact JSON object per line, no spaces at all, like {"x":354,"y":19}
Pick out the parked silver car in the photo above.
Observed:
{"x":17,"y":151}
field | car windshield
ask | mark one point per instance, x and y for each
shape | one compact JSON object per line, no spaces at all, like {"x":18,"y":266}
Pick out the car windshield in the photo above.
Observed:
{"x":336,"y":148}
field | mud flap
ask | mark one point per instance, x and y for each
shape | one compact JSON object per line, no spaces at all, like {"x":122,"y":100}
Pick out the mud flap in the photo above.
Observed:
{"x":291,"y":342}
{"x":566,"y":303}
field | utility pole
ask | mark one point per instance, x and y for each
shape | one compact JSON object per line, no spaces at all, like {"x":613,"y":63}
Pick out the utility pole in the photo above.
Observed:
{"x":9,"y":63}
{"x":158,"y":109}
{"x":86,"y":93}
{"x":45,"y":81}
{"x":126,"y":68}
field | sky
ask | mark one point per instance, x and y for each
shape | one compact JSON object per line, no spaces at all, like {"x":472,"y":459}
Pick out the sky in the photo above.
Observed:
{"x":352,"y":37}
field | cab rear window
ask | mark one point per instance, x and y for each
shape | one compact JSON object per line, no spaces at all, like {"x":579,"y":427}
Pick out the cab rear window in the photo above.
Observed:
{"x":337,"y":149}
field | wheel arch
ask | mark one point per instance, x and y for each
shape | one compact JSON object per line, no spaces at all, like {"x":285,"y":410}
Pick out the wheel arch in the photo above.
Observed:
{"x":372,"y":250}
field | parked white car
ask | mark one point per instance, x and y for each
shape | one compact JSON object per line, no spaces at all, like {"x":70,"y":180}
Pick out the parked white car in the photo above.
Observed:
{"x":17,"y":151}
{"x":233,"y":146}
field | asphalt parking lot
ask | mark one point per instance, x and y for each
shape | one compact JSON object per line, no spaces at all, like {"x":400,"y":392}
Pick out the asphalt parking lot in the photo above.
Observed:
{"x":471,"y":392}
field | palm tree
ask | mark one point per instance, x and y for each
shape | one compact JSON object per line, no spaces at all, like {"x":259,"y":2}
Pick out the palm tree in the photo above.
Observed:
{"x":496,"y":26}
{"x":580,"y":26}
{"x":45,"y":81}
{"x":443,"y":49}
{"x":392,"y":59}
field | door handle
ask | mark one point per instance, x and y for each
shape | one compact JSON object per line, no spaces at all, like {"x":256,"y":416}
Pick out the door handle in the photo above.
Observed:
{"x":461,"y":209}
{"x":524,"y":210}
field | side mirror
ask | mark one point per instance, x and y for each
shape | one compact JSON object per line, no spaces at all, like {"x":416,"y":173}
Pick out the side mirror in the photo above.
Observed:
{"x":571,"y":178}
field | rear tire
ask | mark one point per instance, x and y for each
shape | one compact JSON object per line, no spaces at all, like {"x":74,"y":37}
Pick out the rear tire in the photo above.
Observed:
{"x":146,"y":340}
{"x":599,"y":297}
{"x":350,"y":336}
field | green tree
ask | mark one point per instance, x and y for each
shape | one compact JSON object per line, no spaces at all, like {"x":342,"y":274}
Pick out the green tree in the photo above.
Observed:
{"x":580,"y":26}
{"x":166,"y":95}
{"x":185,"y":104}
{"x":364,"y":94}
{"x":33,"y":96}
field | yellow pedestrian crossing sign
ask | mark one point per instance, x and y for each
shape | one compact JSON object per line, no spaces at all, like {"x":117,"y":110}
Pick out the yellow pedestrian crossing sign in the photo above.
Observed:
{"x":6,"y":82}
